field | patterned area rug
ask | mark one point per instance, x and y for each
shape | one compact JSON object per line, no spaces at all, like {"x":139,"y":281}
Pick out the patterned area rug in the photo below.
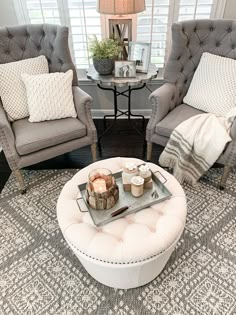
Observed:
{"x":40,"y":275}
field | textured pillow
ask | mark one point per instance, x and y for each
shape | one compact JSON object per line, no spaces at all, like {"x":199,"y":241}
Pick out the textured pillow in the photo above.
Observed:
{"x":49,"y":96}
{"x":213,"y":87}
{"x":12,"y":89}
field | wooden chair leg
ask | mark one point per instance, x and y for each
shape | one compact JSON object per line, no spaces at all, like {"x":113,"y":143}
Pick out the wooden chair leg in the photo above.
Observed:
{"x":224,"y":177}
{"x":94,"y":151}
{"x":149,"y":151}
{"x":20,"y":181}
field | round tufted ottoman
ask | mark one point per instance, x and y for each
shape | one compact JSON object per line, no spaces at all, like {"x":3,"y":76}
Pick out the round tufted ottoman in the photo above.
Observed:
{"x":128,"y":252}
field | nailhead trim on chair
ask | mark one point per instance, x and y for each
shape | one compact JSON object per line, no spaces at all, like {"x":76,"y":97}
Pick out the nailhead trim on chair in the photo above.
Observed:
{"x":7,"y":151}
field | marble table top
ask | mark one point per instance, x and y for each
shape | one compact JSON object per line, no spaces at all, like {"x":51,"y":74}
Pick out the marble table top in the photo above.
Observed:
{"x":110,"y":80}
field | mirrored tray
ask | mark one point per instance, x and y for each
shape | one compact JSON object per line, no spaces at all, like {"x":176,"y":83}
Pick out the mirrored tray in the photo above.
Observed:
{"x":127,"y":203}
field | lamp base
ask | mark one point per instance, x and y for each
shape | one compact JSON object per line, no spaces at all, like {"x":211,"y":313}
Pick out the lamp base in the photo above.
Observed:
{"x":121,"y":30}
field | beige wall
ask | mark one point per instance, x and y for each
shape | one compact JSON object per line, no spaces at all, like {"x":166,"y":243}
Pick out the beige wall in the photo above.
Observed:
{"x":230,"y":9}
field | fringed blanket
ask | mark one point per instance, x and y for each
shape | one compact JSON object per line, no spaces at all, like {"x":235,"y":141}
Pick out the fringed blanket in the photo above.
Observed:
{"x":195,"y":145}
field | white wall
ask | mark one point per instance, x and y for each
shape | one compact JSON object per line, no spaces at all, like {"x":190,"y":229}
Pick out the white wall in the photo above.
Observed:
{"x":7,"y":13}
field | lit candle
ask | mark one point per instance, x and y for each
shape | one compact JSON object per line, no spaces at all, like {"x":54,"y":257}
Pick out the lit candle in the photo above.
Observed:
{"x":99,"y":185}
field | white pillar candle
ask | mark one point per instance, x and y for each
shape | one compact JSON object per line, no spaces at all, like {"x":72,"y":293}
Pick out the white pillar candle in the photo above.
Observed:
{"x":99,"y":185}
{"x":129,"y":170}
{"x":137,"y":186}
{"x":145,"y":172}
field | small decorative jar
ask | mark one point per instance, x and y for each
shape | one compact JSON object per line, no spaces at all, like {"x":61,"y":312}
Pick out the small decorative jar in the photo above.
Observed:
{"x":129,"y":170}
{"x":137,"y":186}
{"x":145,"y":173}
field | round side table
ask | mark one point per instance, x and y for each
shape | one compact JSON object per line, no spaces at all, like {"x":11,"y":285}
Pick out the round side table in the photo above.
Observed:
{"x":111,"y":83}
{"x":128,"y":252}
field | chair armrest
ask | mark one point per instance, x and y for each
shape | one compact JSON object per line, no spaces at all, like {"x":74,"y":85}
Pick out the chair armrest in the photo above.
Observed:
{"x":83,"y":104}
{"x":163,"y":100}
{"x":233,"y":130}
{"x":7,"y":140}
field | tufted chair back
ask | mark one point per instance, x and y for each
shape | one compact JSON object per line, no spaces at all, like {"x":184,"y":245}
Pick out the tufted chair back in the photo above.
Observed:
{"x":28,"y":41}
{"x":192,"y":38}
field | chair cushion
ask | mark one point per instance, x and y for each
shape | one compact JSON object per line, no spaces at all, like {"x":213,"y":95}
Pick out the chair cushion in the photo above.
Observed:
{"x":174,"y":118}
{"x":31,"y":137}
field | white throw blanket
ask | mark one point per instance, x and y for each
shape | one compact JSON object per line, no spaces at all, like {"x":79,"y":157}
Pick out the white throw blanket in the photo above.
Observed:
{"x":195,"y":145}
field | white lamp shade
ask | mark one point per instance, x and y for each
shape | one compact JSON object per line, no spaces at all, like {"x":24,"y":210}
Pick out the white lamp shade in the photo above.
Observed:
{"x":120,"y":7}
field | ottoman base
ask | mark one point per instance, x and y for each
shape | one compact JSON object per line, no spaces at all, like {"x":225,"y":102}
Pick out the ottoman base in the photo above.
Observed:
{"x":125,"y":276}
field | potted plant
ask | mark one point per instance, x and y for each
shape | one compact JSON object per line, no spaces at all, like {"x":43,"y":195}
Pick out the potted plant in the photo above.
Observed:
{"x":104,"y":53}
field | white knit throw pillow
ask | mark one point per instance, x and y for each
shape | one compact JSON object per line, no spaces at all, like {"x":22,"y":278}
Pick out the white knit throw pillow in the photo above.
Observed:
{"x":12,"y":89}
{"x":49,"y":96}
{"x":213,"y":87}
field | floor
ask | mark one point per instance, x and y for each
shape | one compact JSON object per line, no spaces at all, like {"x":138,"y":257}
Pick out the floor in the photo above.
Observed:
{"x":122,"y":140}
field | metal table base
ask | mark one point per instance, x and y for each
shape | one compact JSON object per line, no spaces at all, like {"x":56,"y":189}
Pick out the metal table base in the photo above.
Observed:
{"x":118,"y":112}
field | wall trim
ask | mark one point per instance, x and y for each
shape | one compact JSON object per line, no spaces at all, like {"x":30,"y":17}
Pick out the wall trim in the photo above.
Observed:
{"x":99,"y":113}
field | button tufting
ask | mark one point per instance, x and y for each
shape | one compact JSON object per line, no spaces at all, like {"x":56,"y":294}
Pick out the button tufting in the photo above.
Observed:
{"x":185,"y":81}
{"x":233,"y":46}
{"x":201,"y":43}
{"x":217,"y":44}
{"x":10,"y":36}
{"x":153,"y":230}
{"x":229,"y":30}
{"x":194,"y":29}
{"x":211,"y":29}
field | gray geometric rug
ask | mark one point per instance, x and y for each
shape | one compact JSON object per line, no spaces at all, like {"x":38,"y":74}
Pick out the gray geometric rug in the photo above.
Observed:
{"x":39,"y":274}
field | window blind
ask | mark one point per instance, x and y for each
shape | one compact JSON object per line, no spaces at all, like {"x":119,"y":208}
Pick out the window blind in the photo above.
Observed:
{"x":42,"y":11}
{"x":85,"y":22}
{"x":194,"y":9}
{"x":152,"y":26}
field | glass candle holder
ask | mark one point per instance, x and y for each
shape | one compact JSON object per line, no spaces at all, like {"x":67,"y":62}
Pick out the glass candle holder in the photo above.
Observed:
{"x":102,"y":191}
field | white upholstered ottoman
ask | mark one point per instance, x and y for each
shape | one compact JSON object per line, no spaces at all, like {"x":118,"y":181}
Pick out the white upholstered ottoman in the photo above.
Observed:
{"x":130,"y":251}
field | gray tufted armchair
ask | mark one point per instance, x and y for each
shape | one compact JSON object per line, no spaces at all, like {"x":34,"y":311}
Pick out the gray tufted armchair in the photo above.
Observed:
{"x":26,"y":143}
{"x":189,"y":40}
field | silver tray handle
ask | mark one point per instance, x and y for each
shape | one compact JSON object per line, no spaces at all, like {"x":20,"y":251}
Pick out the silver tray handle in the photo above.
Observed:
{"x":77,"y":201}
{"x":165,"y":180}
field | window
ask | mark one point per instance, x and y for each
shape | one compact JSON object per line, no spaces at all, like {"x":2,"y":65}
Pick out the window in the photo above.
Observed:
{"x":153,"y":25}
{"x":85,"y":22}
{"x":41,"y":11}
{"x":194,"y":9}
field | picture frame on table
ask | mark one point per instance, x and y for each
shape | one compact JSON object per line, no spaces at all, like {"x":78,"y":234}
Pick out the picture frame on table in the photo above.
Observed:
{"x":140,"y":53}
{"x":125,"y":69}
